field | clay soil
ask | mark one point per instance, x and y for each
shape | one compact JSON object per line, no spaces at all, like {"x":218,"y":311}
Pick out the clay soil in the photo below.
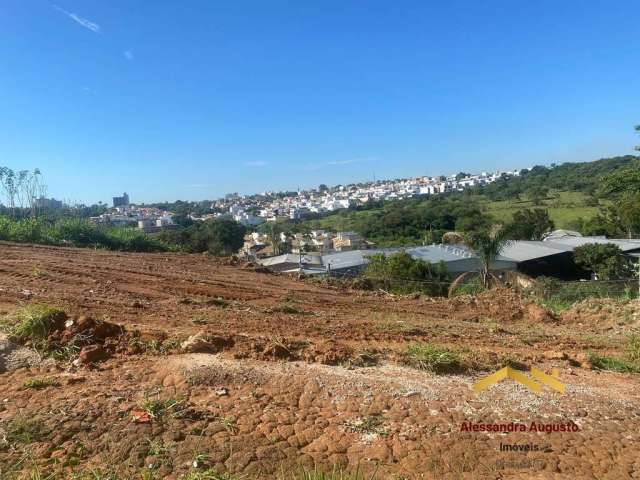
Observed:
{"x":299,"y":375}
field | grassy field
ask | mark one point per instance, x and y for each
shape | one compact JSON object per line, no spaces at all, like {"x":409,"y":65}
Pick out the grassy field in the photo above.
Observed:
{"x":564,"y":207}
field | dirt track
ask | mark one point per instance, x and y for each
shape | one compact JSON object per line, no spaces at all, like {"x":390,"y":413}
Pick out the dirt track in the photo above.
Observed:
{"x":308,"y":375}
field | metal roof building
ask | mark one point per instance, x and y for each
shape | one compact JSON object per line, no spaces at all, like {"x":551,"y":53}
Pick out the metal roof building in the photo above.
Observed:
{"x":457,"y":260}
{"x":551,"y":256}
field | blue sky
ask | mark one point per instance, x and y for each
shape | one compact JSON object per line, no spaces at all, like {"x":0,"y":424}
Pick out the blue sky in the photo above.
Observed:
{"x":193,"y":99}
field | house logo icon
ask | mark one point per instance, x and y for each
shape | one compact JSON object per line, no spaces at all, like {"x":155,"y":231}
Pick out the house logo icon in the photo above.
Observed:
{"x":508,"y":372}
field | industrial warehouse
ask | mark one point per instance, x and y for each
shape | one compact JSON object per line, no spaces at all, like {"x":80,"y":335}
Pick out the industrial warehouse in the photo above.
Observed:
{"x":550,"y":257}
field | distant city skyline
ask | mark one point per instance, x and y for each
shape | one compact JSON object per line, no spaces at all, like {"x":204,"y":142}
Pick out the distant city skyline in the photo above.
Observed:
{"x":196,"y":99}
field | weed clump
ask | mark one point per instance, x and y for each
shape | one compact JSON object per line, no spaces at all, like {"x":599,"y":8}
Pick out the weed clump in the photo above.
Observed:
{"x":433,"y":358}
{"x":22,"y":430}
{"x":40,"y":383}
{"x":35,"y":322}
{"x":633,"y":347}
{"x":614,"y":364}
{"x":218,"y":302}
{"x":159,"y":408}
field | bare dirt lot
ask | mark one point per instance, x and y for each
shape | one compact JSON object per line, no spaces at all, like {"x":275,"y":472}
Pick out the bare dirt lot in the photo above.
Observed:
{"x":218,"y":367}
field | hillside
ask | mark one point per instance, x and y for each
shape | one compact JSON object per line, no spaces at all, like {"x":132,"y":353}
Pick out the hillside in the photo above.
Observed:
{"x":286,"y":374}
{"x":568,"y":192}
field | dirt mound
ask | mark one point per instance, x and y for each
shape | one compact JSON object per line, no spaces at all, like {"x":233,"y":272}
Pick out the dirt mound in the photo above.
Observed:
{"x":329,"y":352}
{"x":97,"y":331}
{"x":605,"y":314}
{"x":502,"y":305}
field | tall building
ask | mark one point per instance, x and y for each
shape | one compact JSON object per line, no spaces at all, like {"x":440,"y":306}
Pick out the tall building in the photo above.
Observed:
{"x":121,"y":201}
{"x":43,"y":202}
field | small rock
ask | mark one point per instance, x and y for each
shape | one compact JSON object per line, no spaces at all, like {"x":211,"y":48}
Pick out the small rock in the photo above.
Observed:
{"x":72,"y":380}
{"x":554,"y":355}
{"x":92,"y":354}
{"x":221,"y":392}
{"x":198,"y":344}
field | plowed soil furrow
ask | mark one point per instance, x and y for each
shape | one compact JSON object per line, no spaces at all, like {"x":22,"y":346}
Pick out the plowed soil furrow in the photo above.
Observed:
{"x":305,"y":375}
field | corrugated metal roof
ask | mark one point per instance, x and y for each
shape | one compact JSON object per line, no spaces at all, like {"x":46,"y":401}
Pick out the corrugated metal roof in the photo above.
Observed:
{"x":573,"y":242}
{"x":457,"y":258}
{"x":290,"y":258}
{"x":524,"y":250}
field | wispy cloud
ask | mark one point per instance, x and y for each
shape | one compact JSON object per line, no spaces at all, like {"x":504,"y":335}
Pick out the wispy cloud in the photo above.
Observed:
{"x":128,"y":54}
{"x":256,"y":163}
{"x":336,"y":163}
{"x":88,"y":24}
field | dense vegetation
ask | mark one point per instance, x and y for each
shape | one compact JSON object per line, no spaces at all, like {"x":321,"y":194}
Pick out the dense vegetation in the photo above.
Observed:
{"x":78,"y":233}
{"x":605,"y":260}
{"x":218,"y":237}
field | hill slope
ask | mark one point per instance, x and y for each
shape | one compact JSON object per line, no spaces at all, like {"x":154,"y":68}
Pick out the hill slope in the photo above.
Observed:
{"x":567,"y":191}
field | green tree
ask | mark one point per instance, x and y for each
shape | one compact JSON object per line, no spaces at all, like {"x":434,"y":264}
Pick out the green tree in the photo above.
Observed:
{"x":486,"y":244}
{"x":530,"y":224}
{"x":606,"y":260}
{"x":218,"y":237}
{"x":629,"y":212}
{"x":621,"y":182}
{"x":538,"y":194}
{"x":402,"y":273}
{"x":273,"y":230}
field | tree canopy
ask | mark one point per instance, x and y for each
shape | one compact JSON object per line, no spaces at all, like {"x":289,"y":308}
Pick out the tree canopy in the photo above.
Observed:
{"x":606,"y":260}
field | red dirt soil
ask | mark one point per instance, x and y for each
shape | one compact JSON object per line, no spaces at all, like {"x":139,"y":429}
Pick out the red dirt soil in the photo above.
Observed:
{"x":296,"y":374}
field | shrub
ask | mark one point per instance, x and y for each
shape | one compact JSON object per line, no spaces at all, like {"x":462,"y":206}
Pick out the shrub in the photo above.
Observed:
{"x":401,"y":273}
{"x":132,"y":240}
{"x":26,"y":231}
{"x":603,"y":259}
{"x":77,"y":232}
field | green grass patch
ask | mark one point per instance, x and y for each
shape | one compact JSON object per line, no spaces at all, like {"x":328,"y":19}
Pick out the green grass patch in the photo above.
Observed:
{"x":160,"y":408}
{"x":614,"y":364}
{"x":433,"y":358}
{"x":633,"y":347}
{"x":287,"y":307}
{"x":34,"y":322}
{"x":564,"y":207}
{"x":556,"y":305}
{"x":40,"y":383}
{"x":22,"y":430}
